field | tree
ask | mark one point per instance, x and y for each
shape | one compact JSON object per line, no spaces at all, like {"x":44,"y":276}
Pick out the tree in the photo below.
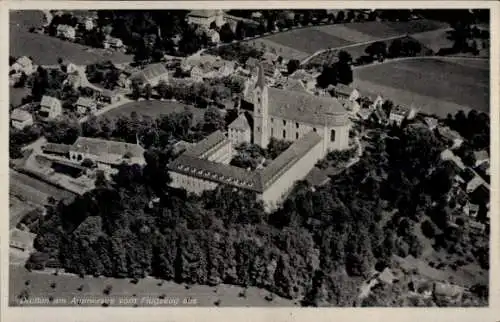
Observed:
{"x":226,"y":33}
{"x":293,"y":65}
{"x":148,"y":91}
{"x":377,"y":49}
{"x":213,"y":120}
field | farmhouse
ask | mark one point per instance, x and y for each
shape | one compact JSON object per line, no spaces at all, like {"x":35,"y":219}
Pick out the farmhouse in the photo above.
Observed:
{"x":400,"y":113}
{"x":106,"y":153}
{"x":23,"y":65}
{"x":109,"y":97}
{"x":315,"y":124}
{"x":21,"y":240}
{"x":205,"y":18}
{"x":480,"y":157}
{"x":66,"y":32}
{"x":84,"y":105}
{"x":111,"y":42}
{"x":50,"y":107}
{"x":20,"y":119}
{"x":151,"y":75}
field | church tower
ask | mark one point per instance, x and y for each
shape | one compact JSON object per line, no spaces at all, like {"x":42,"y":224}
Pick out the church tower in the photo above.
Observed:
{"x":260,"y":111}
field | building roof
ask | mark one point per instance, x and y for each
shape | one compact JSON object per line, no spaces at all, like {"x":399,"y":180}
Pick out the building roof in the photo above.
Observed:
{"x":241,"y":123}
{"x":108,"y":151}
{"x":448,"y":133}
{"x":252,"y":62}
{"x":294,"y":85}
{"x":85,"y":101}
{"x":56,"y":148}
{"x":24,"y":61}
{"x":481,"y":155}
{"x":306,"y":108}
{"x":269,"y":57}
{"x":386,"y":276}
{"x":202,"y":13}
{"x":400,"y":110}
{"x":21,"y":237}
{"x":343,"y":89}
{"x":289,"y":157}
{"x":201,"y":148}
{"x":20,"y":115}
{"x":49,"y":101}
{"x":268,"y":68}
{"x":64,"y":28}
{"x":431,"y":122}
{"x":302,"y":75}
{"x":108,"y":93}
{"x":149,"y":73}
{"x":449,"y":155}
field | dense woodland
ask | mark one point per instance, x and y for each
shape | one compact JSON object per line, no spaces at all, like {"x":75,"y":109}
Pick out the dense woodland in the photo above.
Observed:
{"x":317,"y":247}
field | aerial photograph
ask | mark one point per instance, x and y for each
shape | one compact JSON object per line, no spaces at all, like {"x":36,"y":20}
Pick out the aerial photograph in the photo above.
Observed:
{"x":249,"y":158}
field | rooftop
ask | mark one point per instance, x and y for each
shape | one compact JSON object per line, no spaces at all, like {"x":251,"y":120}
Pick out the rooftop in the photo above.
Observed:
{"x":149,"y":73}
{"x":20,"y":115}
{"x":49,"y":101}
{"x":56,"y":148}
{"x":199,"y":149}
{"x":481,"y":155}
{"x":203,"y":13}
{"x":109,"y":151}
{"x":85,"y":101}
{"x":344,"y":89}
{"x":241,"y":123}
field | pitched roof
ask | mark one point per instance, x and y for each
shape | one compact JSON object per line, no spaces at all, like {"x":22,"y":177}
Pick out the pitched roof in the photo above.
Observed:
{"x":289,"y":157}
{"x":24,"y":61}
{"x":21,"y":237}
{"x":150,"y":72}
{"x":108,"y":151}
{"x":306,"y":108}
{"x":241,"y":123}
{"x":270,"y":57}
{"x":481,"y":155}
{"x":295,"y":85}
{"x":49,"y":101}
{"x":20,"y":115}
{"x":56,"y":148}
{"x":203,"y":13}
{"x":344,"y":89}
{"x":85,"y":101}
{"x":268,"y":68}
{"x":201,"y":148}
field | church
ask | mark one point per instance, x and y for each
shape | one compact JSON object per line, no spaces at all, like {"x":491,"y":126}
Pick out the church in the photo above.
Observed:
{"x":315,"y":125}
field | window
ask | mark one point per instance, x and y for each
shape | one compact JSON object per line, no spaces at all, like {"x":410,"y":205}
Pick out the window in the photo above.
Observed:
{"x":79,"y":158}
{"x":284,"y":122}
{"x":272,"y":131}
{"x":258,"y":128}
{"x":297,"y":135}
{"x":332,"y":136}
{"x":258,"y":110}
{"x":258,"y":99}
{"x":272,"y":120}
{"x":297,"y":125}
{"x":314,"y":129}
{"x":284,"y":134}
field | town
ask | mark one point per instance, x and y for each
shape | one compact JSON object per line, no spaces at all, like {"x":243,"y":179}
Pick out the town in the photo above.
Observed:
{"x":328,"y":157}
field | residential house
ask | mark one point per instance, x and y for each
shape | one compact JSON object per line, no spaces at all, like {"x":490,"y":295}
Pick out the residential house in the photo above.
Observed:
{"x":111,"y":42}
{"x":449,"y":155}
{"x":474,"y":183}
{"x":448,"y":293}
{"x":50,"y":107}
{"x":153,"y":74}
{"x":23,"y":65}
{"x":386,"y":276}
{"x":204,"y":18}
{"x":21,"y":240}
{"x":66,"y":32}
{"x":398,"y":114}
{"x":480,"y":157}
{"x":473,"y":210}
{"x":476,"y":226}
{"x":431,"y":122}
{"x":20,"y":118}
{"x":85,"y":105}
{"x":87,"y":23}
{"x":251,"y":64}
{"x":107,"y":154}
{"x":109,"y":97}
{"x":271,"y":72}
{"x":346,"y":92}
{"x":452,"y":136}
{"x":213,"y":37}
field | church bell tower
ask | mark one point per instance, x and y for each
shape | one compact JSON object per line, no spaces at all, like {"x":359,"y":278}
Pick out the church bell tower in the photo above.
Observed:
{"x":260,"y":112}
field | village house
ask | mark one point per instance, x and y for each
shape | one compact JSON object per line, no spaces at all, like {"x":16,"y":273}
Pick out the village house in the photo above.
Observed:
{"x":66,"y":32}
{"x":105,"y":153}
{"x":251,"y":64}
{"x":213,"y":37}
{"x":204,"y":18}
{"x":153,"y":74}
{"x":480,"y":157}
{"x":20,"y":118}
{"x":50,"y":107}
{"x":452,"y":136}
{"x":85,"y":105}
{"x":269,"y":57}
{"x":111,"y":42}
{"x":196,"y":74}
{"x":399,"y":113}
{"x":431,"y":122}
{"x":271,"y":72}
{"x":109,"y":97}
{"x":61,"y":150}
{"x":23,"y":65}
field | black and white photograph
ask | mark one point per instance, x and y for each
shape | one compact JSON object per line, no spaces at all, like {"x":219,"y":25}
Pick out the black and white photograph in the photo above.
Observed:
{"x":249,"y":157}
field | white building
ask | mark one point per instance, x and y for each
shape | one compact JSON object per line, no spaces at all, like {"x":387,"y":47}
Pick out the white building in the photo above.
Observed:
{"x":23,"y":65}
{"x":153,"y":74}
{"x":111,"y":42}
{"x":213,"y":37}
{"x":66,"y":32}
{"x":50,"y":107}
{"x":239,"y":131}
{"x":85,"y":105}
{"x":20,"y":119}
{"x":204,"y":18}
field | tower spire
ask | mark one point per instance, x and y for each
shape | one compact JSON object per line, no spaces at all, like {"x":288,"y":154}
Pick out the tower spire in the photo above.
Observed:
{"x":261,"y":79}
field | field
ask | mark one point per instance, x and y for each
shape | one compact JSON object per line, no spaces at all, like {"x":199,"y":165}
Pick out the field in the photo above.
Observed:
{"x":45,"y":50}
{"x":433,"y":85}
{"x":66,"y":287}
{"x":154,"y":109}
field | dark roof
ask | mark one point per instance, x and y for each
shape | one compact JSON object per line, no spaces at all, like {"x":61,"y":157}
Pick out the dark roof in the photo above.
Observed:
{"x":108,"y":151}
{"x":481,"y":155}
{"x":343,"y":89}
{"x":306,"y":108}
{"x":205,"y":145}
{"x":150,"y":72}
{"x":56,"y":148}
{"x":85,"y":101}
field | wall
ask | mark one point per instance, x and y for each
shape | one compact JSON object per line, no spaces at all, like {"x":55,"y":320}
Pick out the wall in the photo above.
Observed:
{"x":239,"y":136}
{"x":275,"y":194}
{"x":221,"y":153}
{"x":191,"y":184}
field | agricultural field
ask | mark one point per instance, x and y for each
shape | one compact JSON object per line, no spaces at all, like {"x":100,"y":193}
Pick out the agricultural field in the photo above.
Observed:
{"x":153,"y":109}
{"x":66,"y":287}
{"x":435,"y":86}
{"x":45,"y":50}
{"x":284,"y":51}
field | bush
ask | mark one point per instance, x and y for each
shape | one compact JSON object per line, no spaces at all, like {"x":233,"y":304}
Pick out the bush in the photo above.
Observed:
{"x":428,"y":229}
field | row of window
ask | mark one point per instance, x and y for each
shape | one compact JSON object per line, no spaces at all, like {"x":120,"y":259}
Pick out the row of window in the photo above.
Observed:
{"x":332,"y":134}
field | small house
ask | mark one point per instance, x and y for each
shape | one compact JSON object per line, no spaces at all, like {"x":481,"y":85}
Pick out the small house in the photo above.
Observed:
{"x":480,"y":157}
{"x":20,"y":118}
{"x":197,"y":74}
{"x":251,"y":64}
{"x":399,"y":113}
{"x":85,"y":105}
{"x":111,"y":42}
{"x":153,"y":74}
{"x":61,"y":150}
{"x":204,"y":18}
{"x":109,"y":97}
{"x":50,"y":107}
{"x":213,"y":37}
{"x":66,"y":32}
{"x":450,"y":135}
{"x":431,"y":123}
{"x":23,"y":65}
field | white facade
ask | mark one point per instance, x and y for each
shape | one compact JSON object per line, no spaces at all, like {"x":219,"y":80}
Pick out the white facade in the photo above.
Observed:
{"x":239,"y":136}
{"x":65,"y":31}
{"x":21,"y":119}
{"x":190,"y":183}
{"x":205,"y":18}
{"x":50,"y":108}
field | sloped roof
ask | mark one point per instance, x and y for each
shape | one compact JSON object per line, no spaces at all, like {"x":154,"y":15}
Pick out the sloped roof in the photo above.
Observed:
{"x":49,"y":101}
{"x":344,"y":89}
{"x":205,"y":145}
{"x":252,"y":62}
{"x":56,"y":148}
{"x":108,"y":151}
{"x":23,"y":61}
{"x":241,"y":123}
{"x":20,"y":115}
{"x":21,"y":237}
{"x":481,"y":155}
{"x":203,"y":13}
{"x":295,"y":85}
{"x":150,"y":72}
{"x":85,"y":101}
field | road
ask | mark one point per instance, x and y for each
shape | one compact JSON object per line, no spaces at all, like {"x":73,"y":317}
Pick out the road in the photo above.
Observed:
{"x":393,"y":60}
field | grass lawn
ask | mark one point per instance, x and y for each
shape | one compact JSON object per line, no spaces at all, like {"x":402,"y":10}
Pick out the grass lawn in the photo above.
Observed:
{"x":415,"y":26}
{"x":430,"y":84}
{"x":435,"y":39}
{"x":346,"y":33}
{"x":154,"y":108}
{"x":66,"y":288}
{"x":308,"y":40}
{"x":282,"y":50}
{"x":387,"y":29}
{"x":16,"y":95}
{"x":45,"y":50}
{"x":374,"y":29}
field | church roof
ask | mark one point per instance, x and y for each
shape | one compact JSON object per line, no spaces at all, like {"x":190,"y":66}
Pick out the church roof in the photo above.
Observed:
{"x":306,"y":108}
{"x":241,"y":123}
